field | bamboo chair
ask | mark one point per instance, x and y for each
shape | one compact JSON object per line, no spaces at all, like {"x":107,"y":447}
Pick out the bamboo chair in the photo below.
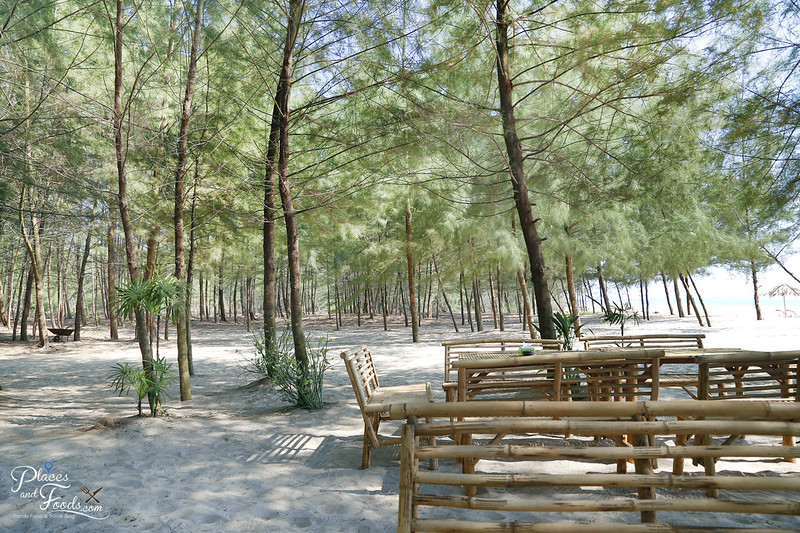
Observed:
{"x":374,"y":400}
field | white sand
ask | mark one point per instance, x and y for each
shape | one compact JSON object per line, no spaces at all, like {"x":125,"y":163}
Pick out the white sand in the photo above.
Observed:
{"x":235,"y":458}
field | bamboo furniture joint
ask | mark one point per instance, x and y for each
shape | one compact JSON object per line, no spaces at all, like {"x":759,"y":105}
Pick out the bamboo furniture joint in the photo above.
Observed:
{"x":374,"y":400}
{"x":518,"y":492}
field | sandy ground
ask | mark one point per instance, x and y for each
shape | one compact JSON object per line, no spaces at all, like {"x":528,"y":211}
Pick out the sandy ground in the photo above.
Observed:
{"x":235,"y":458}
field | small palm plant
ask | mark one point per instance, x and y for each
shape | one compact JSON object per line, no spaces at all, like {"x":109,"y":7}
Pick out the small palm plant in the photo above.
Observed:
{"x":157,"y":295}
{"x":565,"y":326}
{"x":155,"y":383}
{"x":620,"y":315}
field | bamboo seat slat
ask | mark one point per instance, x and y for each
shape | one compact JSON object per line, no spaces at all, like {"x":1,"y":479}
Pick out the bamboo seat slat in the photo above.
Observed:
{"x":604,"y":452}
{"x":449,"y":526}
{"x":666,"y":481}
{"x":534,"y":504}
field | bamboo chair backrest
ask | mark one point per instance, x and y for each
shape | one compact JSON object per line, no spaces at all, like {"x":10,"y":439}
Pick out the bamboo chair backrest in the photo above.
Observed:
{"x":453,"y":349}
{"x":361,"y":370}
{"x":750,"y":375}
{"x":656,"y":340}
{"x":510,"y":472}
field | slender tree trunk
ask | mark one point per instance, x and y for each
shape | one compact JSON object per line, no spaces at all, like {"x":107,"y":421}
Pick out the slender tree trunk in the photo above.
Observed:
{"x":666,"y":292}
{"x":177,"y":217}
{"x":337,"y":302}
{"x":149,"y":273}
{"x":3,"y":315}
{"x":690,"y":298}
{"x":79,"y":299}
{"x":494,"y":303}
{"x":444,"y":294}
{"x":120,"y":153}
{"x":573,"y":294}
{"x":412,"y":293}
{"x":527,"y":311}
{"x":26,"y":305}
{"x":641,"y":297}
{"x":201,"y":295}
{"x":221,"y":293}
{"x":500,"y":300}
{"x":754,"y":277}
{"x":601,"y":282}
{"x":461,"y":296}
{"x":294,"y":18}
{"x":699,"y":297}
{"x":519,"y":184}
{"x":681,"y":314}
{"x":35,"y":255}
{"x":248,"y":302}
{"x":24,"y":276}
{"x":190,"y":271}
{"x":384,"y":305}
{"x":476,"y":297}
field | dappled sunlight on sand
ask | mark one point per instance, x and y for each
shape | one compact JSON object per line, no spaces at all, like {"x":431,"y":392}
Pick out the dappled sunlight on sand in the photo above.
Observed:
{"x":236,"y":457}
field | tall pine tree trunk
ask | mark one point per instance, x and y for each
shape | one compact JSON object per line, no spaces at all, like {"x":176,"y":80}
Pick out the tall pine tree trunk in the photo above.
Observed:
{"x":500,"y":299}
{"x":519,"y":184}
{"x":666,"y":292}
{"x":294,"y":18}
{"x":112,"y":279}
{"x":79,"y":299}
{"x":681,"y":314}
{"x":35,"y":255}
{"x":573,"y":294}
{"x":177,"y":218}
{"x":527,"y":311}
{"x":754,"y":277}
{"x":121,"y":155}
{"x":601,"y":282}
{"x":412,"y":292}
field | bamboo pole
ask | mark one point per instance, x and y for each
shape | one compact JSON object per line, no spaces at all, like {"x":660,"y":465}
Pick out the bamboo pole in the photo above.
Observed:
{"x":666,"y":481}
{"x":523,"y":451}
{"x":688,"y":408}
{"x":407,"y":486}
{"x":542,"y":505}
{"x":604,"y":427}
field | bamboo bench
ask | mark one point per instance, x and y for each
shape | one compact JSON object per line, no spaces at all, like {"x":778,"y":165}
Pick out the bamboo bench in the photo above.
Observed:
{"x":518,"y":492}
{"x":656,"y":340}
{"x":453,"y":350}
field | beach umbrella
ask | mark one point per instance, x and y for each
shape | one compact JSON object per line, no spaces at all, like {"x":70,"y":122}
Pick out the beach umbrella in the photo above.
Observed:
{"x":784,"y":290}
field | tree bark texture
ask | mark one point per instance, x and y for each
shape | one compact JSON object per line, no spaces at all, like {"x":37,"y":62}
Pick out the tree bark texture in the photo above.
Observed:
{"x":294,"y":18}
{"x":120,"y":155}
{"x":35,"y":255}
{"x":533,"y":242}
{"x":180,"y":174}
{"x":412,"y":292}
{"x":79,"y":299}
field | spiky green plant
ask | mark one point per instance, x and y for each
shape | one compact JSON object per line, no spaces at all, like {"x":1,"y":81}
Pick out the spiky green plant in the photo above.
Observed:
{"x":125,"y":377}
{"x":620,"y":315}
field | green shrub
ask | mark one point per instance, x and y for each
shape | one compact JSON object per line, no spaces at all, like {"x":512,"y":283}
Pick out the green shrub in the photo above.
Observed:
{"x":268,"y":354}
{"x":299,"y":385}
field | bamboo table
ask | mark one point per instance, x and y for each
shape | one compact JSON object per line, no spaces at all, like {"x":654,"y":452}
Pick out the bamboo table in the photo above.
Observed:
{"x":587,"y":375}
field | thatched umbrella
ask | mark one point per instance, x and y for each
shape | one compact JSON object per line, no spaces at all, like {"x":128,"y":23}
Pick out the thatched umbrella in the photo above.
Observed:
{"x":784,"y":290}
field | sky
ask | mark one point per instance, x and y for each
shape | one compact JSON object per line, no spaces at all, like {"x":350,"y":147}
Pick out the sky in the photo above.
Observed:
{"x":722,"y":288}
